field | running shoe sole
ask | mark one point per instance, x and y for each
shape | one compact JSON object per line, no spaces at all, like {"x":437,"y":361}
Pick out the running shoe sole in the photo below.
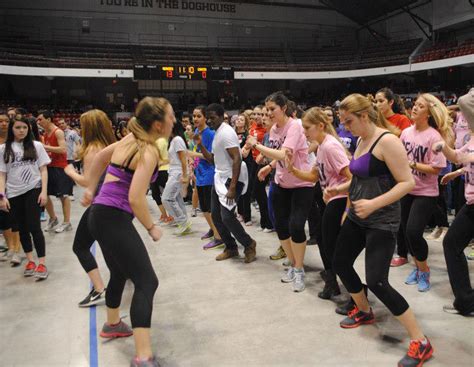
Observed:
{"x":368,"y":322}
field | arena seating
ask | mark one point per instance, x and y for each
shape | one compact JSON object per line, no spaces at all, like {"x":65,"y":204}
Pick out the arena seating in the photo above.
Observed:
{"x":446,"y":50}
{"x":25,"y":52}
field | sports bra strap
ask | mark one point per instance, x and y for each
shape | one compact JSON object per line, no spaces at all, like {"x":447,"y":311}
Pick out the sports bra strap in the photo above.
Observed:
{"x":376,"y":141}
{"x":126,"y":164}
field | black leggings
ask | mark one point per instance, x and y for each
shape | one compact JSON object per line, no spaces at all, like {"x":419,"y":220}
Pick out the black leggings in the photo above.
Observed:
{"x":379,"y":246}
{"x":456,"y":240}
{"x":316,"y":214}
{"x":331,"y":225}
{"x":292,"y":207}
{"x":416,"y":213}
{"x":127,"y":258}
{"x":158,"y":186}
{"x":440,"y":215}
{"x":83,"y":241}
{"x":26,"y":213}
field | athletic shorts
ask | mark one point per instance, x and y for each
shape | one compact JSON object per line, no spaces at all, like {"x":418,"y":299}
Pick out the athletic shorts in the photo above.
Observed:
{"x":59,"y":184}
{"x":204,"y":194}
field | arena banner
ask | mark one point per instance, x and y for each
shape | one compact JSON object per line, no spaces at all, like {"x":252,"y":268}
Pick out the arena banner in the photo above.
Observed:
{"x":191,"y":5}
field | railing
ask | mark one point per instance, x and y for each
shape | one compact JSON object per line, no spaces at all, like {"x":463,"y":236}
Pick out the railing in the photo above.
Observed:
{"x":148,"y":39}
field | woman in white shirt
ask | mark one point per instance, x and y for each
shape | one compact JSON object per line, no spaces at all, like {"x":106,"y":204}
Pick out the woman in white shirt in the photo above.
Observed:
{"x":23,"y":185}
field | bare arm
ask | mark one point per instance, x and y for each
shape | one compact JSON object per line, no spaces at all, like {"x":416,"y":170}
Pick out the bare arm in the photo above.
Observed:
{"x":275,"y":154}
{"x":87,"y":162}
{"x":139,"y":186}
{"x":195,"y":154}
{"x":208,"y":156}
{"x":310,"y":176}
{"x":236,"y":163}
{"x":184,"y":166}
{"x":426,"y":168}
{"x":61,"y":148}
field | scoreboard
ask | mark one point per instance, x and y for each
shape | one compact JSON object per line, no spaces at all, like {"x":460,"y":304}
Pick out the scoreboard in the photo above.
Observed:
{"x":182,"y":72}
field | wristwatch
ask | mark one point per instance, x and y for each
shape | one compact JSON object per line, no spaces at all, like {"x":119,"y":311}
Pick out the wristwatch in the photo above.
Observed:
{"x":413,"y":165}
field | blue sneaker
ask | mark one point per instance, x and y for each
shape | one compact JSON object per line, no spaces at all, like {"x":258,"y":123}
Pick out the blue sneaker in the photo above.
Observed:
{"x":424,"y":281}
{"x":412,"y":278}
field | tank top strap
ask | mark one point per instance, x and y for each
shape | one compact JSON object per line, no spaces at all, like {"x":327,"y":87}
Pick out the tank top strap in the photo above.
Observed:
{"x":126,"y":164}
{"x":376,"y":141}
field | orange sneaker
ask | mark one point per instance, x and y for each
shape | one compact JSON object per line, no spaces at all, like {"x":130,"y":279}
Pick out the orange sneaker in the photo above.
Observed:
{"x":41,"y":272}
{"x":29,"y":269}
{"x":418,"y":353}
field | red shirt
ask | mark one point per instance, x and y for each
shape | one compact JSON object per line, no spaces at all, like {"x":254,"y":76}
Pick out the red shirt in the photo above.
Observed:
{"x":400,"y":121}
{"x":259,"y":133}
{"x":57,"y":159}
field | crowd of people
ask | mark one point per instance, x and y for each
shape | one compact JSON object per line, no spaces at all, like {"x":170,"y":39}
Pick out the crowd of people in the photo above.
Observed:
{"x":366,"y":174}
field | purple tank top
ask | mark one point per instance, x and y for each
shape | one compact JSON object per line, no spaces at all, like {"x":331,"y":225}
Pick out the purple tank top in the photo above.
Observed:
{"x":115,"y":193}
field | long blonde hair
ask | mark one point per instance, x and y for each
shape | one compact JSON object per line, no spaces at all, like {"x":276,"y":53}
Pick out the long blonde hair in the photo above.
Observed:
{"x":96,"y":131}
{"x":357,"y":104}
{"x":316,"y":115}
{"x":149,"y":110}
{"x":439,"y":118}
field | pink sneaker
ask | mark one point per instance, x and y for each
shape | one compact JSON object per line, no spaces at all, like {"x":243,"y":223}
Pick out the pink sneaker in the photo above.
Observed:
{"x":398,"y":261}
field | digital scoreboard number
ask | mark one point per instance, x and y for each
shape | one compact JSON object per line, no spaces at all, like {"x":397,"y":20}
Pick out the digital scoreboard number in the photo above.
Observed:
{"x":188,"y":72}
{"x":182,"y":72}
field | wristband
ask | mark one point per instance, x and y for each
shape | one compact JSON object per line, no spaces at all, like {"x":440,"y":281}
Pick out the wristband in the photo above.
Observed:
{"x":254,"y":146}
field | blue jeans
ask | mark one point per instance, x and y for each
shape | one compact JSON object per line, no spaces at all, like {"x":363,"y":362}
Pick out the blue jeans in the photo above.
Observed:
{"x":173,"y":200}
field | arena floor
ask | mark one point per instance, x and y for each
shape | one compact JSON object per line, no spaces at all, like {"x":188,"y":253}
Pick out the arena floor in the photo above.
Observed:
{"x":210,"y":313}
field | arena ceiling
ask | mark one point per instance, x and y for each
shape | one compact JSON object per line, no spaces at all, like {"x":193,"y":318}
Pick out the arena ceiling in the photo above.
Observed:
{"x":359,"y":11}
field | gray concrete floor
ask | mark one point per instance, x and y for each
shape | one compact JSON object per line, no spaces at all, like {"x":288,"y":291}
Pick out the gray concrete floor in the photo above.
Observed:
{"x":209,"y":313}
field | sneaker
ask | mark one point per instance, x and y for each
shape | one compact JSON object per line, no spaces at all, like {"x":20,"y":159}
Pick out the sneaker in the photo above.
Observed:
{"x":194,"y":213}
{"x":279,"y":254}
{"x":168,"y":220}
{"x":52,"y":223}
{"x":64,"y":227}
{"x":183,"y":229}
{"x":213,"y":244}
{"x":470,"y":256}
{"x":412,"y":278}
{"x":355,"y":318}
{"x":331,"y":288}
{"x":6,"y":256}
{"x":312,"y":241}
{"x":418,"y":353}
{"x":162,"y":218}
{"x":249,"y":223}
{"x":298,"y":283}
{"x":289,"y":276}
{"x":424,"y":281}
{"x":151,"y":362}
{"x":259,"y":229}
{"x":227,"y":254}
{"x":434,"y":234}
{"x":29,"y":269}
{"x":93,"y":298}
{"x":398,"y":261}
{"x":207,"y":235}
{"x":43,"y":217}
{"x":3,"y":248}
{"x":41,"y":272}
{"x":268,"y":230}
{"x":250,"y":252}
{"x":240,"y":218}
{"x":444,"y":230}
{"x":451,"y":309}
{"x":286,"y":264}
{"x":345,"y":308}
{"x":120,"y":330}
{"x":16,"y":259}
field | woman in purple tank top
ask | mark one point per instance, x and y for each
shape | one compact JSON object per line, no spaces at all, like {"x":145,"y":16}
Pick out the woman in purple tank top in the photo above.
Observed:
{"x":131,"y":164}
{"x":380,"y":178}
{"x":97,"y":133}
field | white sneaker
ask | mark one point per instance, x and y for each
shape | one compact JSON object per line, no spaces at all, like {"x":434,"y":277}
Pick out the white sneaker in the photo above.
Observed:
{"x":289,"y":275}
{"x":6,"y":256}
{"x":52,"y":223}
{"x":64,"y":227}
{"x":183,"y":229}
{"x":16,"y":259}
{"x":268,"y":230}
{"x":248,"y":224}
{"x":298,"y":283}
{"x":259,"y":229}
{"x":72,"y":198}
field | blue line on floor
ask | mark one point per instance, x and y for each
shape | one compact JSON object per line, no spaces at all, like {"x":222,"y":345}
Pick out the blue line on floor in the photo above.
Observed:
{"x":93,"y":354}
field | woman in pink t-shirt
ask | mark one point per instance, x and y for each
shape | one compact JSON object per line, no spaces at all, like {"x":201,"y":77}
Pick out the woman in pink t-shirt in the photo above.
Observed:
{"x":292,"y":196}
{"x":461,"y":231}
{"x":431,"y":120}
{"x":331,"y":169}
